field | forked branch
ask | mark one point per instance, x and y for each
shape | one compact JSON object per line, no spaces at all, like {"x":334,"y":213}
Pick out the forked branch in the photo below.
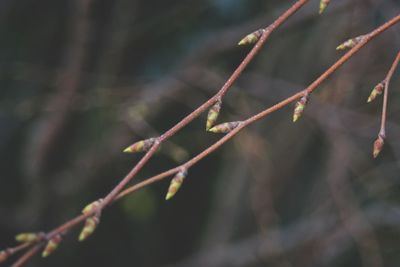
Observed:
{"x":383,"y":86}
{"x":117,"y":193}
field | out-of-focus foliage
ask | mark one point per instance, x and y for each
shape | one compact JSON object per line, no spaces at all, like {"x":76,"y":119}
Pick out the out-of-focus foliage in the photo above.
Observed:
{"x":80,"y":80}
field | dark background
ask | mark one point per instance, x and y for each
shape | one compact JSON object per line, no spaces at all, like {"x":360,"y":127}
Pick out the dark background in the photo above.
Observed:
{"x":82,"y":79}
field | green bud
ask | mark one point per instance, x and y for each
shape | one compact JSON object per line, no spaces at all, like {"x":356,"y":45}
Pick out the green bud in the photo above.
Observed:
{"x":323,"y":4}
{"x":224,"y":127}
{"x":213,"y":115}
{"x":252,"y":37}
{"x":175,"y":184}
{"x":26,"y":237}
{"x":299,"y":108}
{"x":90,"y":226}
{"x":89,"y":208}
{"x":378,"y":90}
{"x":140,"y":146}
{"x":51,"y":246}
{"x":350,"y":43}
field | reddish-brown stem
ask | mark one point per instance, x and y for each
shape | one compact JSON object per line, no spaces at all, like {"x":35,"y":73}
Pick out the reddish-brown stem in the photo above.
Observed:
{"x":257,"y":47}
{"x":266,"y":112}
{"x":115,"y":193}
{"x":11,"y":251}
{"x":387,"y":80}
{"x":27,"y":256}
{"x":250,"y":56}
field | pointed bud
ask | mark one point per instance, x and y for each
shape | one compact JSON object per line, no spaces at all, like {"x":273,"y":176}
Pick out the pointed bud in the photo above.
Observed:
{"x":89,"y":208}
{"x":3,"y":256}
{"x":378,"y":90}
{"x":299,"y":108}
{"x":90,"y":225}
{"x":26,"y":237}
{"x":224,"y":127}
{"x":140,"y":146}
{"x":378,"y":145}
{"x":323,"y":5}
{"x":51,"y":246}
{"x":213,"y":114}
{"x":351,"y":43}
{"x":176,"y":184}
{"x":252,"y":37}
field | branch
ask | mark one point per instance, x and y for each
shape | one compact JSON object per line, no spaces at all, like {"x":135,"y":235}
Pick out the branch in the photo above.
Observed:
{"x":385,"y":97}
{"x":27,"y":256}
{"x":266,"y":112}
{"x":384,"y":85}
{"x":63,"y":229}
{"x":264,"y":37}
{"x":116,"y":192}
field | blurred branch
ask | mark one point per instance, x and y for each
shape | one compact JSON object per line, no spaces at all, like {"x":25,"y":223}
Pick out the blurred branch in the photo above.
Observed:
{"x":294,"y":237}
{"x":346,"y":202}
{"x":43,"y":143}
{"x":95,"y":212}
{"x":116,"y":192}
{"x":313,"y":86}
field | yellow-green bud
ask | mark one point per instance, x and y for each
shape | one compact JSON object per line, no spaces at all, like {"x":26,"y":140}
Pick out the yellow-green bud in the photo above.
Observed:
{"x":89,"y":208}
{"x":26,"y":237}
{"x":213,"y":114}
{"x":90,"y":226}
{"x":51,"y":246}
{"x":140,"y":146}
{"x":176,"y":184}
{"x":323,"y":5}
{"x":224,"y":127}
{"x":299,"y":108}
{"x":350,"y":43}
{"x":252,"y":37}
{"x":378,"y":90}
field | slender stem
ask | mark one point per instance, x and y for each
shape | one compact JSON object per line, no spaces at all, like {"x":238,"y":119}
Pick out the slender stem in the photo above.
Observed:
{"x":266,"y":112}
{"x":27,"y":256}
{"x":115,"y":193}
{"x":295,"y":7}
{"x":388,"y":78}
{"x":11,"y":251}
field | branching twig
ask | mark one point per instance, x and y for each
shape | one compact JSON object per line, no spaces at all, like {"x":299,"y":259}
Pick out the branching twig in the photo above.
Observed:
{"x":266,"y":112}
{"x":266,"y":33}
{"x":379,"y":142}
{"x":111,"y":196}
{"x":27,"y":256}
{"x":116,"y":192}
{"x":386,"y":93}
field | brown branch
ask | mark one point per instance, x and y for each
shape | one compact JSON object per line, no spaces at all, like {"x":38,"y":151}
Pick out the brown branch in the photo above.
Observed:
{"x":27,"y":256}
{"x":384,"y":85}
{"x":115,"y":193}
{"x":386,"y":94}
{"x":266,"y":112}
{"x":8,"y":252}
{"x":267,"y":32}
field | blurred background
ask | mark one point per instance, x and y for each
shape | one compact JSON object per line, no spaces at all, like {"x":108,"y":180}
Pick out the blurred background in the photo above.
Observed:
{"x":82,"y":79}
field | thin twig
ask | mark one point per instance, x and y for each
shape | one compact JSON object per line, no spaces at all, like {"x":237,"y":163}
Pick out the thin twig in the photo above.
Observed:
{"x":27,"y":256}
{"x":266,"y":112}
{"x":388,"y":78}
{"x":257,"y":47}
{"x":117,"y":189}
{"x":13,"y":250}
{"x":115,"y":193}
